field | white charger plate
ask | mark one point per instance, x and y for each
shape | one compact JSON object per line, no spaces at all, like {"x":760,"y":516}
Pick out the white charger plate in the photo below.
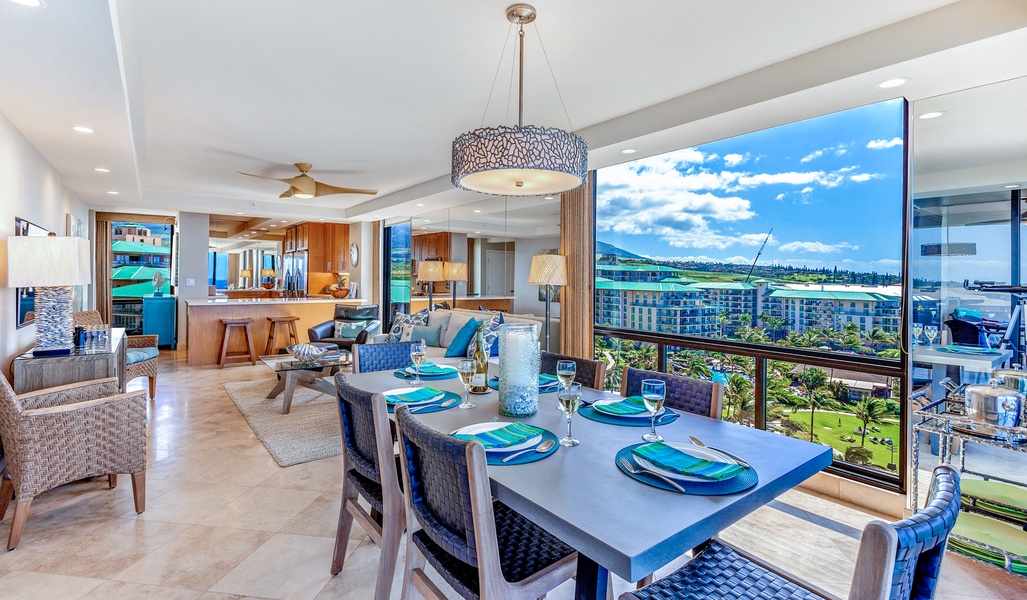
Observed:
{"x":407,"y":390}
{"x":689,"y":449}
{"x":447,"y":368}
{"x":599,"y":404}
{"x":492,"y":426}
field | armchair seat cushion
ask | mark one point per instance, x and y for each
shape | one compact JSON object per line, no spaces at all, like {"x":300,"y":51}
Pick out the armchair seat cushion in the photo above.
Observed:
{"x":347,"y":328}
{"x":137,"y":355}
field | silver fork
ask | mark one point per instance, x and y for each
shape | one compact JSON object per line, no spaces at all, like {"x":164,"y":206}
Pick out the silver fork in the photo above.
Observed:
{"x":635,"y":470}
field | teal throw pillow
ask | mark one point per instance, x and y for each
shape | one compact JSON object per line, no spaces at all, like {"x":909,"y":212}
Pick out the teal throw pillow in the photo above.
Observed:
{"x":430,"y":335}
{"x":959,"y":313}
{"x":464,"y":337}
{"x":348,"y":329}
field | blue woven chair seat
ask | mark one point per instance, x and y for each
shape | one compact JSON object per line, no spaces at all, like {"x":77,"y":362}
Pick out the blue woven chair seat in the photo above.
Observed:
{"x":524,"y":549}
{"x":134,"y":355}
{"x":720,"y":572}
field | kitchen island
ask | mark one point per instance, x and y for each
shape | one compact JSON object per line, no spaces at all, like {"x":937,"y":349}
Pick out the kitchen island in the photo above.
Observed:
{"x":203,"y":327}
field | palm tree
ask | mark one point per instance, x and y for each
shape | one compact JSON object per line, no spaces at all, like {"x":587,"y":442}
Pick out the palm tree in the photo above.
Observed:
{"x":738,"y":394}
{"x":868,"y":410}
{"x":809,"y":339}
{"x":858,"y":455}
{"x":644,"y":356}
{"x":876,"y":337}
{"x":723,"y":317}
{"x":694,"y":365}
{"x":813,"y":380}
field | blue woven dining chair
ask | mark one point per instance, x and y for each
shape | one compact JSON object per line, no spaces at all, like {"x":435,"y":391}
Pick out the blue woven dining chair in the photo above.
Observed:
{"x":589,"y":373}
{"x":369,"y":472}
{"x":481,"y":547}
{"x":695,"y":396}
{"x":381,"y":357}
{"x":896,"y":561}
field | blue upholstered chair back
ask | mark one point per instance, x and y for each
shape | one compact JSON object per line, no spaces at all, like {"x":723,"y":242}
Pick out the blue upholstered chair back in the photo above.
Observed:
{"x":683,"y":393}
{"x":922,"y":539}
{"x":584,"y":369}
{"x":438,"y":485}
{"x":358,"y":436}
{"x":381,"y":357}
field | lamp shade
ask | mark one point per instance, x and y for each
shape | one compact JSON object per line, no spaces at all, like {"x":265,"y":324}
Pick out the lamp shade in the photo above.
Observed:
{"x":519,"y":161}
{"x":430,"y":270}
{"x":455,"y":271}
{"x":548,"y":269}
{"x":245,"y":272}
{"x":267,"y":273}
{"x":47,"y":261}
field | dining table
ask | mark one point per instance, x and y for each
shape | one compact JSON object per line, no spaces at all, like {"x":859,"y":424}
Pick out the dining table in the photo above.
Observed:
{"x":616,"y":523}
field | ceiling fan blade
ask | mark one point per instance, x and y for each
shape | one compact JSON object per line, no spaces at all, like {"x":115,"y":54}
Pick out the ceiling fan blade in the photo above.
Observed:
{"x":303,"y":184}
{"x":263,"y":177}
{"x":288,"y":193}
{"x":323,"y":189}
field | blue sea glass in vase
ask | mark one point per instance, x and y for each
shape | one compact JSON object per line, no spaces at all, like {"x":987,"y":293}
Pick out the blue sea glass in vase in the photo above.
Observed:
{"x":518,"y":370}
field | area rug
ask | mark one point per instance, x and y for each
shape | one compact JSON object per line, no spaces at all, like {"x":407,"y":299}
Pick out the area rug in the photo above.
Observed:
{"x":309,"y":432}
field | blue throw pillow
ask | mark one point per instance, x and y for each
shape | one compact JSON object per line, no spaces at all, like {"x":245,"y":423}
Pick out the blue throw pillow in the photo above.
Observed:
{"x":960,"y":313}
{"x":491,"y":327}
{"x":464,"y":337}
{"x":430,"y":335}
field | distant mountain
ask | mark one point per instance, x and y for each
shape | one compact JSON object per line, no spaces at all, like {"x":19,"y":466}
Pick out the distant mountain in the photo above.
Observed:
{"x":604,"y":248}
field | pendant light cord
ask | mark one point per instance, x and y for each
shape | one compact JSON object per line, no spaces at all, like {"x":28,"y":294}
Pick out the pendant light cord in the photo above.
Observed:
{"x":495,"y":79}
{"x":553,"y":75}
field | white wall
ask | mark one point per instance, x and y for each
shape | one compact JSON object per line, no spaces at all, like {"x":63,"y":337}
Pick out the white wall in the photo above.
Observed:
{"x":31,"y":189}
{"x":527,"y":294}
{"x":361,"y":234}
{"x":193,"y":241}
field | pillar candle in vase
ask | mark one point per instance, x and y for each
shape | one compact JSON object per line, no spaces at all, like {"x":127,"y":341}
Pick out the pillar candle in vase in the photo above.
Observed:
{"x":518,"y":370}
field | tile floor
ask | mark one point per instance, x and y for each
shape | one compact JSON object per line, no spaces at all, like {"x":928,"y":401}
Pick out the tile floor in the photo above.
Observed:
{"x":223,"y":521}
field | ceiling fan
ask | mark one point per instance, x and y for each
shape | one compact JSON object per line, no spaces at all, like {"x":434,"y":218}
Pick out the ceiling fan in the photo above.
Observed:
{"x":304,"y":186}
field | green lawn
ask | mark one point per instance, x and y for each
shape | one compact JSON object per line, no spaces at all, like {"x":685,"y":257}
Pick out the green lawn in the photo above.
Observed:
{"x":825,"y":425}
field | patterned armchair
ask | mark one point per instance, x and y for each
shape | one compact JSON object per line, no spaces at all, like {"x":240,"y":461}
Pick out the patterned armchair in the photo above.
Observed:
{"x":896,"y":561}
{"x":140,"y":356}
{"x":683,"y":393}
{"x":380,"y":357}
{"x":62,"y":434}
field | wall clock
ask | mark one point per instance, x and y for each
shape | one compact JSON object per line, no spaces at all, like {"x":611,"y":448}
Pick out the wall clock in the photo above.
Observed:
{"x":354,"y":254}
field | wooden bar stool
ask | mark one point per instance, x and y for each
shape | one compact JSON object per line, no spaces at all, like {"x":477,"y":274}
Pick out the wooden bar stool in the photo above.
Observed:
{"x":226,"y":333}
{"x":289,"y":323}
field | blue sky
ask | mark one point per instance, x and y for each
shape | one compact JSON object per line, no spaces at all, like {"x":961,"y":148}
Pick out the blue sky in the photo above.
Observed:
{"x":830,"y":187}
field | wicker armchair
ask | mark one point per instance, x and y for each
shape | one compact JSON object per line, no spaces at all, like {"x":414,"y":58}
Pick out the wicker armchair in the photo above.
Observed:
{"x":67,"y":433}
{"x":141,"y":357}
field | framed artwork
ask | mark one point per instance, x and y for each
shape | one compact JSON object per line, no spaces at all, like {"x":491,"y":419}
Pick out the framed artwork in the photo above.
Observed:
{"x":77,"y":228}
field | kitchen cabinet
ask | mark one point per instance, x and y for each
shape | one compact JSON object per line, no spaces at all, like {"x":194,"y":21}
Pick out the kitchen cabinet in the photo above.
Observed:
{"x":290,"y":239}
{"x":327,"y":246}
{"x":303,"y":236}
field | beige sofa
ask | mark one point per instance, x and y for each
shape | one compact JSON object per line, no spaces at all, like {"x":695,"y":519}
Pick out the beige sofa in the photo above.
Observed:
{"x":453,"y":320}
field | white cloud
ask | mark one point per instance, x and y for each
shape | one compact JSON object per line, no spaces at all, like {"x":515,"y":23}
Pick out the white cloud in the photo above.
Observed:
{"x":860,"y":178}
{"x":733,"y":160}
{"x":813,"y":155}
{"x":884,"y":144}
{"x":840,"y":151}
{"x":779,"y":197}
{"x":806,"y":189}
{"x":819,"y":247}
{"x":738,"y":260}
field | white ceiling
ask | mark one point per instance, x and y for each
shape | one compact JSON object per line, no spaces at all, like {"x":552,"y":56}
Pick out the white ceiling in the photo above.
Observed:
{"x":184,"y":94}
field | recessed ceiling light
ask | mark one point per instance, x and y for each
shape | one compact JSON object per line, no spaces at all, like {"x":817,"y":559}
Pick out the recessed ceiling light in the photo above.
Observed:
{"x":548,"y":198}
{"x":477,"y":232}
{"x":628,"y":151}
{"x":101,"y":170}
{"x":424,"y":228}
{"x":31,"y":3}
{"x":477,"y":211}
{"x":377,"y":216}
{"x":932,"y":115}
{"x":239,"y":212}
{"x":427,"y":220}
{"x":112,"y":192}
{"x":82,"y":129}
{"x":284,"y":221}
{"x":273,"y":225}
{"x":894,"y":82}
{"x":419,"y":204}
{"x":1012,"y":187}
{"x":320,"y":219}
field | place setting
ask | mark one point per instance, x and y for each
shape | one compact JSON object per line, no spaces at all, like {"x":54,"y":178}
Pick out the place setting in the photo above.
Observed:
{"x":513,"y":443}
{"x":421,"y":400}
{"x":686,"y":468}
{"x":547,"y":383}
{"x":422,"y":370}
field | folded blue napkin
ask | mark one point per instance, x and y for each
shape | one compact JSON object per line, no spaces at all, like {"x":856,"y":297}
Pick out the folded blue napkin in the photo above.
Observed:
{"x":421,"y":395}
{"x":630,"y":406}
{"x":430,"y":368}
{"x":511,"y":435}
{"x":666,"y":457}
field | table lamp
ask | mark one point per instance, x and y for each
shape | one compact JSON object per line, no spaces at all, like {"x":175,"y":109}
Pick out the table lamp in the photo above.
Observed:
{"x":454,"y":272}
{"x":268,"y":274}
{"x":430,"y":271}
{"x":245,"y":275}
{"x":548,"y":270}
{"x":51,"y":265}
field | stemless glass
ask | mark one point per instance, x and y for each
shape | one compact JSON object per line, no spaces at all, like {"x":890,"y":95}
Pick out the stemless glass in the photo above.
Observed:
{"x":931,"y":331}
{"x":654,"y":391}
{"x":465,"y":368}
{"x":565,"y":370}
{"x":570,"y":400}
{"x":417,"y":355}
{"x":918,"y":328}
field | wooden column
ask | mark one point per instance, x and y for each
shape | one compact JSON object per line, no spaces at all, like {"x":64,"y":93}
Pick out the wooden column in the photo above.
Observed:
{"x":577,"y":243}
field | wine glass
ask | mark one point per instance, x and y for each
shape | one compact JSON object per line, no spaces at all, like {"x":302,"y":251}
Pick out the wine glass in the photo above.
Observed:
{"x":417,"y":355}
{"x":465,"y":368}
{"x":570,"y":400}
{"x":565,"y":370}
{"x":931,"y":331}
{"x":654,"y":391}
{"x":918,"y":328}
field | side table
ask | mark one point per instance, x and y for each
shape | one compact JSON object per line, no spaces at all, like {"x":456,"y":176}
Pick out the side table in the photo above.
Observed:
{"x":33,"y":373}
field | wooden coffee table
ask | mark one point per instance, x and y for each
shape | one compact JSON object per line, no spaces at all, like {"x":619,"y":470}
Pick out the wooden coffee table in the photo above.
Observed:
{"x":292,"y":372}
